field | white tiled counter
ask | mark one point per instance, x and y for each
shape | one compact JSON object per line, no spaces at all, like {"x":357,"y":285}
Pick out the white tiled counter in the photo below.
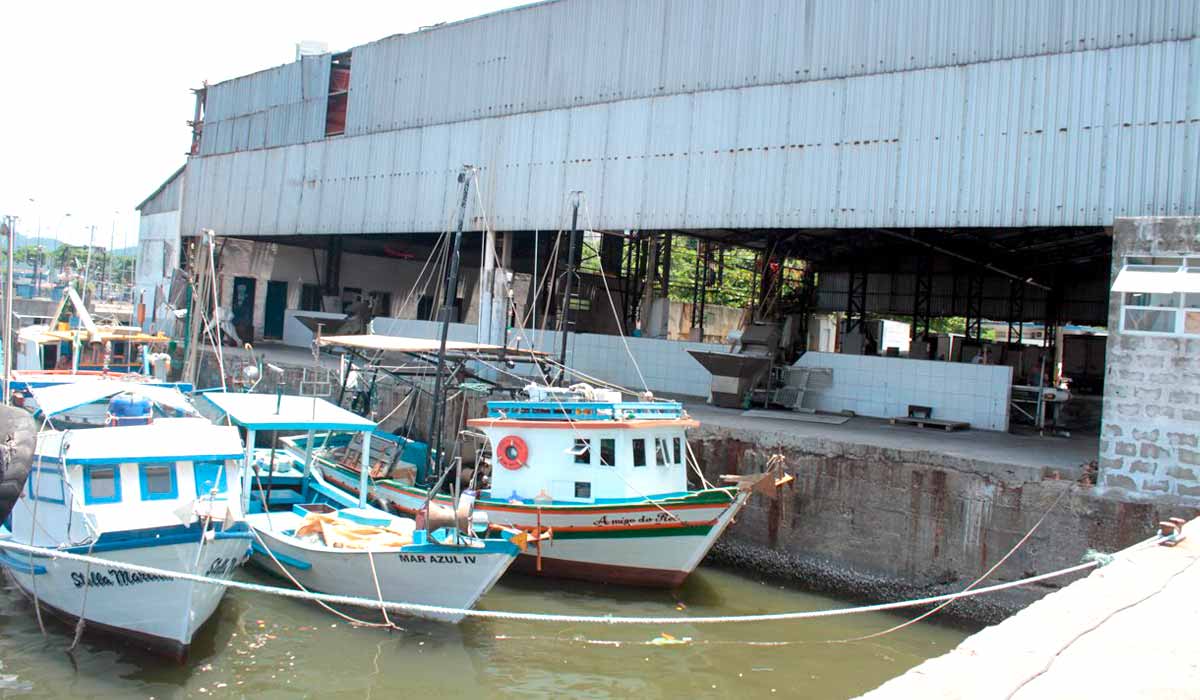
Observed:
{"x":884,"y":387}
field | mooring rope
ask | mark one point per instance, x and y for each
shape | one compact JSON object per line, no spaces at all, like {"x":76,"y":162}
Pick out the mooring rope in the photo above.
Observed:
{"x":419,"y":608}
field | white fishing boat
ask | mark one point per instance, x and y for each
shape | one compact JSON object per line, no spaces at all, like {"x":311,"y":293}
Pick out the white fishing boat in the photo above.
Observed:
{"x":321,"y":538}
{"x":607,"y":477}
{"x":163,"y":494}
{"x":90,"y":402}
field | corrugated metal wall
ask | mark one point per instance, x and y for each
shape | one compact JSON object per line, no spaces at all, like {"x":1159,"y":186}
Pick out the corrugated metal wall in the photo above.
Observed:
{"x":726,"y":114}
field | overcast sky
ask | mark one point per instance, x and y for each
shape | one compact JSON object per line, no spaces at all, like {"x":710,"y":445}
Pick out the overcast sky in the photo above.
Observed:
{"x":94,"y":96}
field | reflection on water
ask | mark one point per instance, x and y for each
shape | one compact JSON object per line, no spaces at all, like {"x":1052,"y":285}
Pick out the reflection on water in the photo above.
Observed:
{"x":273,"y":647}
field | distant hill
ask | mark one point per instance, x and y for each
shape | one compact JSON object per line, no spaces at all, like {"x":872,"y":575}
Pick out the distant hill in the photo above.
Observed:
{"x":46,"y":242}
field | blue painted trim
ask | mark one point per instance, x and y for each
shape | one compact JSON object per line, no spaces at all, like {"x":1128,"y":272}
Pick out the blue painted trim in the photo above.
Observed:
{"x":89,"y":499}
{"x":232,"y":535}
{"x":58,"y":478}
{"x":585,"y":410}
{"x":363,"y":520}
{"x":21,"y":567}
{"x":490,"y":546}
{"x":283,"y":558}
{"x":151,"y":537}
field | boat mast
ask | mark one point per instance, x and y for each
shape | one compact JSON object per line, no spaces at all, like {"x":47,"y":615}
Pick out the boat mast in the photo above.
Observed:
{"x":566,"y":308}
{"x":437,"y":420}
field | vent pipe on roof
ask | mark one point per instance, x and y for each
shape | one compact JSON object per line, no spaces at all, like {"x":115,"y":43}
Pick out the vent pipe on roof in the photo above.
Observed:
{"x":310,"y":47}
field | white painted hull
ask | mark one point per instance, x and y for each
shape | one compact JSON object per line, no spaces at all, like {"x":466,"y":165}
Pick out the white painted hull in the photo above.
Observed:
{"x":652,"y":543}
{"x":447,"y":579}
{"x":161,"y":614}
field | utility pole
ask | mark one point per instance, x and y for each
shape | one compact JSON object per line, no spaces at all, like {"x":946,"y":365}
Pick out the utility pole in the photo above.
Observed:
{"x":10,"y":227}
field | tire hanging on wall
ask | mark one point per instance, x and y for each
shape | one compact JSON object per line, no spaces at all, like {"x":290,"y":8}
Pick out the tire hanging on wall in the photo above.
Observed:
{"x":17,"y":440}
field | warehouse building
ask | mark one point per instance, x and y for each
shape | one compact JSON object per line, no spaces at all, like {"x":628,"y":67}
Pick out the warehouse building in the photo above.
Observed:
{"x":904,"y":160}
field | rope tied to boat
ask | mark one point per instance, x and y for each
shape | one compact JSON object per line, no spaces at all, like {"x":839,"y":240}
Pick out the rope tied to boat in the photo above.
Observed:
{"x":609,"y":619}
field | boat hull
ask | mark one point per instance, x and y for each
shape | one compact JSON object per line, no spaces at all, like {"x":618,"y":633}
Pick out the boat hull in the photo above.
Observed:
{"x":653,"y":543}
{"x":426,"y":575}
{"x":158,"y":614}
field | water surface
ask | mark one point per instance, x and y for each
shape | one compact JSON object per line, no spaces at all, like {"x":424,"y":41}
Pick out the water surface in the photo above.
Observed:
{"x":271,"y":647}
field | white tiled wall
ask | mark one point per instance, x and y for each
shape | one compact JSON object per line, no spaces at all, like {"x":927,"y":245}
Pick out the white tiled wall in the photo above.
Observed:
{"x":665,"y":364}
{"x":885,"y":386}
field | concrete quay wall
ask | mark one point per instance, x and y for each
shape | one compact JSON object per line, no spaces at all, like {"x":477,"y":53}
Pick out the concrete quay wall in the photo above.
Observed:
{"x":876,"y":523}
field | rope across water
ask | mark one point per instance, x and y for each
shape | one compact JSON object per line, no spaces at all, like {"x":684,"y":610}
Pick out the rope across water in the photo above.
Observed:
{"x":435,"y":610}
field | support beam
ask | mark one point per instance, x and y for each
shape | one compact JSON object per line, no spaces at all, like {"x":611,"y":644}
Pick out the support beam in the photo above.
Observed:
{"x":1016,"y":314}
{"x":856,"y":299}
{"x":922,"y":298}
{"x":974,"y":331}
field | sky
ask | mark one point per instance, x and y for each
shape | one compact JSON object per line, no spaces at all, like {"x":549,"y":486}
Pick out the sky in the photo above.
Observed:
{"x":95,"y":96}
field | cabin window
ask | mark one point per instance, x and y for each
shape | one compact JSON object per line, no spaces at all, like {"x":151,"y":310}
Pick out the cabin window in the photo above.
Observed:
{"x":608,"y":452}
{"x":102,"y":484}
{"x":678,"y":451}
{"x":209,"y":475}
{"x":639,"y":452}
{"x":582,"y":451}
{"x":158,"y":481}
{"x":583,"y":489}
{"x":1160,"y":296}
{"x":662,"y":451}
{"x":45,"y":485}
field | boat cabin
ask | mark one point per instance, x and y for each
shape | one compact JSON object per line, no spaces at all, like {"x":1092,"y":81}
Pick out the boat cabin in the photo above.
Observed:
{"x":582,"y":445}
{"x":106,"y":349}
{"x":129,"y":478}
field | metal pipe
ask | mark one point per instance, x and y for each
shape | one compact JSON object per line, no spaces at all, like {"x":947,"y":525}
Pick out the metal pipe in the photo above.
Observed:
{"x":988,"y":266}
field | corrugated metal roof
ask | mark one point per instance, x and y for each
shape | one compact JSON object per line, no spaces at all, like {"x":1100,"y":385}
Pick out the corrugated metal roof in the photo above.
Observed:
{"x":720,"y":114}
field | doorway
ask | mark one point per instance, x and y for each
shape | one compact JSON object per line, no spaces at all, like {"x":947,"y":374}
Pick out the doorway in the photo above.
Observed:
{"x":243,"y":307}
{"x":273,"y":309}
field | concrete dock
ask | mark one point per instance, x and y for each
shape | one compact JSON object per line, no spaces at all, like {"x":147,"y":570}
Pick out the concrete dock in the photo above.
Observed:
{"x":1128,"y":630}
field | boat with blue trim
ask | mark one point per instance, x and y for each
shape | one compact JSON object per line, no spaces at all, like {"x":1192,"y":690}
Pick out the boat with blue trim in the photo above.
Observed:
{"x":322,"y":538}
{"x":163,"y":494}
{"x":606,"y":477}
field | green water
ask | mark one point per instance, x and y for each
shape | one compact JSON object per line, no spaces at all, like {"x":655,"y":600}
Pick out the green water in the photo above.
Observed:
{"x":271,"y":647}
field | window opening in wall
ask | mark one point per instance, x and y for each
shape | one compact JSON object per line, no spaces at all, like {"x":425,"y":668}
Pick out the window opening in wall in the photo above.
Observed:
{"x":1160,"y":296}
{"x":381,"y":303}
{"x":608,"y":452}
{"x":639,"y":452}
{"x":679,"y":451}
{"x":582,"y":451}
{"x":310,"y":297}
{"x":583,"y":489}
{"x":339,"y":94}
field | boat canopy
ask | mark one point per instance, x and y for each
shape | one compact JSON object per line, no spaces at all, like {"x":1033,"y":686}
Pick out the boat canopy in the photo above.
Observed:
{"x":60,"y":398}
{"x":395,"y":343}
{"x":286,"y":412}
{"x":169,"y":440}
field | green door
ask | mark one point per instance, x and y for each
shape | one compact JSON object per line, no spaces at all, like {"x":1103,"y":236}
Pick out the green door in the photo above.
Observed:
{"x":273,"y":310}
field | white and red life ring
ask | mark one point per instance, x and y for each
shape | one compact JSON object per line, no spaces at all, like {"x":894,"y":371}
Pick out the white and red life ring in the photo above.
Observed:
{"x":512,"y":452}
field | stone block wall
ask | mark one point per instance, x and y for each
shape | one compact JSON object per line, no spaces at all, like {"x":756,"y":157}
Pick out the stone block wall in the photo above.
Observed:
{"x":1150,"y":440}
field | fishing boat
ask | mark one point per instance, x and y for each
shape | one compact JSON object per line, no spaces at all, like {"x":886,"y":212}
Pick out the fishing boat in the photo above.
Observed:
{"x":606,"y":477}
{"x":80,"y":345}
{"x":322,"y":538}
{"x":88,"y":401}
{"x":163,"y":494}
